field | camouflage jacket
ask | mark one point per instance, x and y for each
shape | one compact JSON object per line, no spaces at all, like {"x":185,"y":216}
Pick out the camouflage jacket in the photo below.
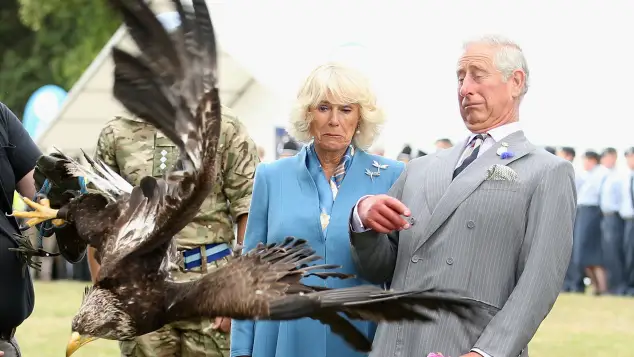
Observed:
{"x":135,"y":149}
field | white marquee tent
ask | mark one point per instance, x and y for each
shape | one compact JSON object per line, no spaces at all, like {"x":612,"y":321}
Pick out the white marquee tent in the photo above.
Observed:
{"x":90,"y":102}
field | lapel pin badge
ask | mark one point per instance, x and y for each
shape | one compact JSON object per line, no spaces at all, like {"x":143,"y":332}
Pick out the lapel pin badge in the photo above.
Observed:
{"x":372,"y":174}
{"x":378,"y":166}
{"x":503,"y":151}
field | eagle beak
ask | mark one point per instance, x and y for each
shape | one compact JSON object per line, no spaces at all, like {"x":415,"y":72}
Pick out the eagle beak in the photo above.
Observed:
{"x":76,"y":341}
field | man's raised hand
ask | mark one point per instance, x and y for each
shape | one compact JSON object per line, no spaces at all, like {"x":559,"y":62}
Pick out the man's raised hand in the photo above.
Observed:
{"x":382,"y":214}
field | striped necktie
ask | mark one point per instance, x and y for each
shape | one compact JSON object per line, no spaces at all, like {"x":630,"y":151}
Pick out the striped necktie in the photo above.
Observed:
{"x":470,"y":153}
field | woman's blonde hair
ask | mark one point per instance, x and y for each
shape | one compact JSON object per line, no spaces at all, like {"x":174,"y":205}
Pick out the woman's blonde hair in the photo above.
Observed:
{"x":337,"y":84}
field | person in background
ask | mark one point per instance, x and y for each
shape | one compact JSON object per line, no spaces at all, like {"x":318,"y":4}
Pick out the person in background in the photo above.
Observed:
{"x":573,"y":282}
{"x":135,"y":149}
{"x":18,"y":157}
{"x":290,"y":148}
{"x":568,"y":153}
{"x":405,"y":154}
{"x":627,"y":213}
{"x":443,"y":143}
{"x":588,"y":252}
{"x":310,"y":196}
{"x":612,"y":224}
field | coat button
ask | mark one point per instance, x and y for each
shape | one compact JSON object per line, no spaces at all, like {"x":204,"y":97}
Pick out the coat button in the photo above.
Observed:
{"x":415,"y":259}
{"x":470,"y":224}
{"x":449,"y":261}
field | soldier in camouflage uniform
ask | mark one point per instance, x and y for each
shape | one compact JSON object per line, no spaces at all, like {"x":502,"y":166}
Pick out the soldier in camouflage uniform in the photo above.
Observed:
{"x":134,"y":149}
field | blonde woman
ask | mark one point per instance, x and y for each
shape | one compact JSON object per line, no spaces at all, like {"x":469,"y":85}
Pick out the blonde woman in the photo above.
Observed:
{"x":310,"y":195}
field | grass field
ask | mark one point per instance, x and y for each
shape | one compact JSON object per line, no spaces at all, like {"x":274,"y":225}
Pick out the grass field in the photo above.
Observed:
{"x":580,"y":326}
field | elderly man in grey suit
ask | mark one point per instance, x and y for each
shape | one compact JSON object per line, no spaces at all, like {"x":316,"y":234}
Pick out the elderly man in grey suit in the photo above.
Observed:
{"x":493,"y":216}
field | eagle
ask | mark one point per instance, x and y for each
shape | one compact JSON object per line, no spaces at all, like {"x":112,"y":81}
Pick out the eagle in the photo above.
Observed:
{"x":173,"y":84}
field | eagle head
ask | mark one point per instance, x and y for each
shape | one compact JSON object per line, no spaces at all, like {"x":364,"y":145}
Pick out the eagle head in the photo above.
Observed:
{"x":101,"y":315}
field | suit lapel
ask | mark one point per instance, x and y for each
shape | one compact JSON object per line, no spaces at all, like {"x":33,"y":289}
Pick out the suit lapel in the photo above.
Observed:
{"x":438,"y":177}
{"x":468,"y":181}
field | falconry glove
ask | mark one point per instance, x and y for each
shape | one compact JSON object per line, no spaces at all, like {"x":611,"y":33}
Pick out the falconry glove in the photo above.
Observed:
{"x":53,"y":184}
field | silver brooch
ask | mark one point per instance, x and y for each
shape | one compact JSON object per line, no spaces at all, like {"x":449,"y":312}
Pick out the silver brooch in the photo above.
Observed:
{"x":372,"y":174}
{"x":378,"y":166}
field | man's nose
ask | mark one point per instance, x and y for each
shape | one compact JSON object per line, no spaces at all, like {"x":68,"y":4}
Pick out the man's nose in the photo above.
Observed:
{"x":465,"y":88}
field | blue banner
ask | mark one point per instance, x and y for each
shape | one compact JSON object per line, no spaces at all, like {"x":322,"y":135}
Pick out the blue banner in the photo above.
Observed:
{"x":42,"y":108}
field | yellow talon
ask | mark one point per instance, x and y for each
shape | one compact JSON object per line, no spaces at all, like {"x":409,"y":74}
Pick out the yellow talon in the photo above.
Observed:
{"x":43,"y":212}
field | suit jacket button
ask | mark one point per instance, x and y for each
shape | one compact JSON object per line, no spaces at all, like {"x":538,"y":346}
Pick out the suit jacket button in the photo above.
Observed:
{"x":470,"y":224}
{"x":415,"y":259}
{"x":449,"y":261}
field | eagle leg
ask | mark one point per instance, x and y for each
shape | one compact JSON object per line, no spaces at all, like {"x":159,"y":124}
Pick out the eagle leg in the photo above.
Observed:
{"x":43,"y":212}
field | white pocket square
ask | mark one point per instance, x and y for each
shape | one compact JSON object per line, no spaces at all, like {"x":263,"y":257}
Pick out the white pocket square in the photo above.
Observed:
{"x":501,"y":173}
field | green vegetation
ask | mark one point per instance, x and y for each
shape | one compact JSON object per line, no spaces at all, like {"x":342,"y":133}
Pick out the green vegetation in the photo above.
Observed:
{"x":580,"y":326}
{"x":48,"y":42}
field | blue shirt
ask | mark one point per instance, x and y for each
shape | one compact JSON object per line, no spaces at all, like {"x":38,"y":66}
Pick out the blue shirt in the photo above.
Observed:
{"x":627,"y":206}
{"x":580,"y":178}
{"x":590,"y":192}
{"x":612,"y":193}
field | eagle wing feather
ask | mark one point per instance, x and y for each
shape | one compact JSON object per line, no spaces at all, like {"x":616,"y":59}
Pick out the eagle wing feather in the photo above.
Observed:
{"x":265,"y":284}
{"x":172,"y":84}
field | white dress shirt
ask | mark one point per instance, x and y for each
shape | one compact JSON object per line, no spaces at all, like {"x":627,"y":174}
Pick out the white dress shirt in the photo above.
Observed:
{"x":627,"y":206}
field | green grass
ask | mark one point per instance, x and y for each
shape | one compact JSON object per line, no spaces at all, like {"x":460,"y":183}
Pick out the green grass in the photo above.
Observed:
{"x":578,"y":326}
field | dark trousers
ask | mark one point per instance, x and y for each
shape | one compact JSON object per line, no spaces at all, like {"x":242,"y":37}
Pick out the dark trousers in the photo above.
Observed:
{"x":612,"y":244}
{"x":573,"y":282}
{"x":628,"y":249}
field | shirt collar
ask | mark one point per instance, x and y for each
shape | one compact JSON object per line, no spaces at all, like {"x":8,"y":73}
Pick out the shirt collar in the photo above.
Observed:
{"x":312,"y":158}
{"x":500,"y":132}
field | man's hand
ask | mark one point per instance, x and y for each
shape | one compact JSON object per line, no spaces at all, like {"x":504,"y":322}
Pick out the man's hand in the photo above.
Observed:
{"x":1,"y":353}
{"x":223,"y":324}
{"x":382,"y":213}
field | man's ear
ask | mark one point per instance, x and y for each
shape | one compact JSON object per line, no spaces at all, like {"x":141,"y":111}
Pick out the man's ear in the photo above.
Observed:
{"x":517,"y":82}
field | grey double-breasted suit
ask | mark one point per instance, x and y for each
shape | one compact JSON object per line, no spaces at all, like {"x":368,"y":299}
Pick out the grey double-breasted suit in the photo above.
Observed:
{"x":507,"y":242}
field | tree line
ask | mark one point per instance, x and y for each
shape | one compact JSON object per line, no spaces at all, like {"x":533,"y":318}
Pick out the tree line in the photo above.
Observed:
{"x":49,"y":42}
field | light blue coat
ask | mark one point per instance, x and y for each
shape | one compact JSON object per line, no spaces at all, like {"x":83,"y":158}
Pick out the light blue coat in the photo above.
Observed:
{"x":285,"y":203}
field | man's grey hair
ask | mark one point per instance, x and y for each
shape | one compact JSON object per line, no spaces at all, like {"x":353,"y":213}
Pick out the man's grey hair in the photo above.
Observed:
{"x":508,"y":58}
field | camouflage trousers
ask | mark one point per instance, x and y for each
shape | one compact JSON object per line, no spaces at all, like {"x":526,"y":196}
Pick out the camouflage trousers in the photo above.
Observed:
{"x":192,"y":338}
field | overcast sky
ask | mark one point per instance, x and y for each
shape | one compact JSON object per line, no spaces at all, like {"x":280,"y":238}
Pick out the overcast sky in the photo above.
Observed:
{"x":579,"y":55}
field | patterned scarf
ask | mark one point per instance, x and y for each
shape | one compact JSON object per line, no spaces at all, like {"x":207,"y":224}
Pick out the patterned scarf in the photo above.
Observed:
{"x":327,"y":190}
{"x":340,"y":171}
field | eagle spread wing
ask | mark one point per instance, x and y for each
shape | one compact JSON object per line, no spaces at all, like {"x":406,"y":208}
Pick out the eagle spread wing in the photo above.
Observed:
{"x":265,"y":284}
{"x":172,"y":85}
